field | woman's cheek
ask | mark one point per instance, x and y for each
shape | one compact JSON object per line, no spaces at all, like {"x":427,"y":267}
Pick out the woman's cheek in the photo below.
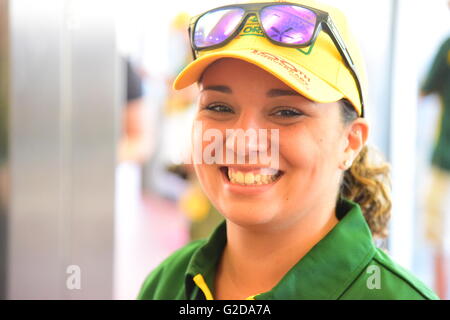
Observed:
{"x":296,"y":149}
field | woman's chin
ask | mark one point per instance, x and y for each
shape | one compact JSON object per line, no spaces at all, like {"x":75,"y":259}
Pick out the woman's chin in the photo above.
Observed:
{"x":249,"y":217}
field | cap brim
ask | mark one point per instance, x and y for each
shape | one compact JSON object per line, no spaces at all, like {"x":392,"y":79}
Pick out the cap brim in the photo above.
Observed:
{"x":292,"y":74}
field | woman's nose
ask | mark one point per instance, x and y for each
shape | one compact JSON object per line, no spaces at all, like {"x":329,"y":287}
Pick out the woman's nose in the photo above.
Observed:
{"x":247,"y":138}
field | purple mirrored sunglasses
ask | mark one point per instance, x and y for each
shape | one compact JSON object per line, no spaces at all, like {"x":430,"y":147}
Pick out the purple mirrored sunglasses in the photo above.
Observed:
{"x":283,"y":23}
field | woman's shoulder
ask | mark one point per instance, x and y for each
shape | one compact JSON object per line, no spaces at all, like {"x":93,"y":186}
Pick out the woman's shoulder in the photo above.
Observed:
{"x":168,"y":277}
{"x":385,"y":279}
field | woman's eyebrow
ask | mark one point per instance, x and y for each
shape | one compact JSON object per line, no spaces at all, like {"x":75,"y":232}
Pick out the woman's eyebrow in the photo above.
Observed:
{"x":273,"y":93}
{"x":223,"y":89}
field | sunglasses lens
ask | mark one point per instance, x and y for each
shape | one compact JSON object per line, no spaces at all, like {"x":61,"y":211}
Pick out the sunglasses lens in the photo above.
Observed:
{"x":288,"y":24}
{"x":214,"y":27}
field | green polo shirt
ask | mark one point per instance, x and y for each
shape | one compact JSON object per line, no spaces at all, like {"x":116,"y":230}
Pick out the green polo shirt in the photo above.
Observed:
{"x":345,"y":264}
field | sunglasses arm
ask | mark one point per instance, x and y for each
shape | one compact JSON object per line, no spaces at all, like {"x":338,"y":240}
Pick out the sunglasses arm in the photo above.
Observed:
{"x":342,"y":48}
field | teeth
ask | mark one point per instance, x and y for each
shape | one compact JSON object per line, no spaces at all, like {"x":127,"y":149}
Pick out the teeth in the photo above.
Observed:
{"x":266,"y":176}
{"x":264,"y":179}
{"x":239,"y":177}
{"x":249,"y":178}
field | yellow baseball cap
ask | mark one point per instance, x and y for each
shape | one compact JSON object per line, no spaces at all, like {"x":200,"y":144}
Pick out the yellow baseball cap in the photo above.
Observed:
{"x":318,"y":72}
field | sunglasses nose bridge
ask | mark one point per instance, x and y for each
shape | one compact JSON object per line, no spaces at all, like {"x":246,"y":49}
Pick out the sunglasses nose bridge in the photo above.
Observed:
{"x":249,"y":13}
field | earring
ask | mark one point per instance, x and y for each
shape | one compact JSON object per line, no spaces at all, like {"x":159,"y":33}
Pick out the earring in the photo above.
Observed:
{"x":347,"y":164}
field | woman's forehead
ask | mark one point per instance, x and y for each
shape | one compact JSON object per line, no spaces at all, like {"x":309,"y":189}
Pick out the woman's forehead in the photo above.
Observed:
{"x":231,"y":70}
{"x":231,"y":76}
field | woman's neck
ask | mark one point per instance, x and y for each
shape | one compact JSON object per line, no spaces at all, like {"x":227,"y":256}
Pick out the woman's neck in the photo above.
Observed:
{"x":254,"y":261}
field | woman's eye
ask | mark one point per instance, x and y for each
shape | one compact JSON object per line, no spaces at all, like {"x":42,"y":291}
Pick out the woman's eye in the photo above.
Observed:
{"x":287,"y":113}
{"x":219,"y":108}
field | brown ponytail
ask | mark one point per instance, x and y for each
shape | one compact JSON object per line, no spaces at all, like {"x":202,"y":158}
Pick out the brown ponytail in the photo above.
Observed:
{"x":367,"y":182}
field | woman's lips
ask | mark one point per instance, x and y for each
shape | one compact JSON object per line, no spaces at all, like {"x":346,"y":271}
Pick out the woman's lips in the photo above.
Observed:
{"x":251,"y":176}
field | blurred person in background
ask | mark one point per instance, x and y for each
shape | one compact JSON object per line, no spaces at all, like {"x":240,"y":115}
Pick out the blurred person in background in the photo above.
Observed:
{"x":438,"y":82}
{"x":134,"y":149}
{"x":134,"y":145}
{"x":303,"y":229}
{"x":135,"y":142}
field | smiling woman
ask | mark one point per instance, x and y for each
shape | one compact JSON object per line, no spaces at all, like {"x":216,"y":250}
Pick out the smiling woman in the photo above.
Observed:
{"x":308,"y":150}
{"x":303,"y":228}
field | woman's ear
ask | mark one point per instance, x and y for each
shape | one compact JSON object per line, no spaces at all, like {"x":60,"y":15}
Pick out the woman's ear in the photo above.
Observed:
{"x":355,"y":136}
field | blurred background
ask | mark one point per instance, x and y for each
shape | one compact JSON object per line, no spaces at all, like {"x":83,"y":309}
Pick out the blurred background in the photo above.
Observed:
{"x":93,"y":192}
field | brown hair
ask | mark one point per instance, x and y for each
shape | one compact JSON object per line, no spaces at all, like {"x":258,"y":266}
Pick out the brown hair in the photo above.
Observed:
{"x":367,"y":182}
